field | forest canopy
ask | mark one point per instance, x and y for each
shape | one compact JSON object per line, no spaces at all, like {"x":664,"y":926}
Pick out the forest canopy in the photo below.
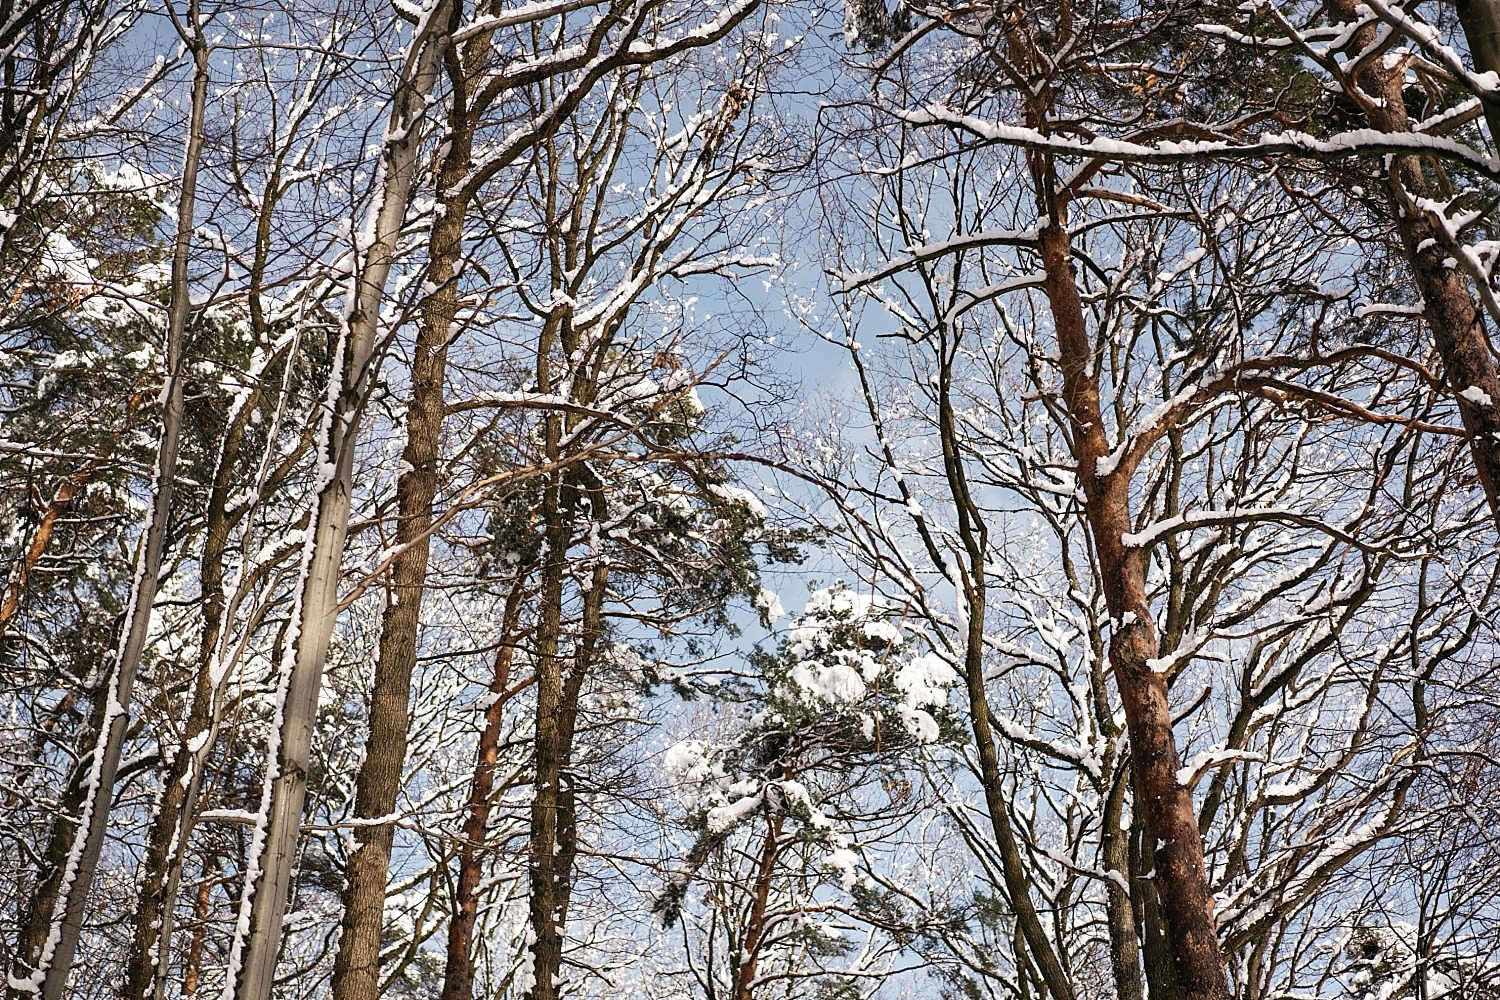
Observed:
{"x":762,"y":500}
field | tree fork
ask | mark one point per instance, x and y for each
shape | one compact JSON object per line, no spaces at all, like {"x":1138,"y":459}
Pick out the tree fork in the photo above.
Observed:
{"x":1171,"y":826}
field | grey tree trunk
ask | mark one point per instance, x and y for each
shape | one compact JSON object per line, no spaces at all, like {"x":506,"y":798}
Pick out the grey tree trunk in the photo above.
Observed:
{"x":268,"y":876}
{"x":356,"y":971}
{"x":55,"y":961}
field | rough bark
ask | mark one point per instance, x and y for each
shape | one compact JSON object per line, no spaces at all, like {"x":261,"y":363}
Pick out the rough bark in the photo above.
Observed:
{"x":356,"y":973}
{"x":55,"y":960}
{"x":544,"y":918}
{"x":458,"y":971}
{"x":1124,"y":942}
{"x":273,"y":848}
{"x":1166,"y":807}
{"x":1451,"y":310}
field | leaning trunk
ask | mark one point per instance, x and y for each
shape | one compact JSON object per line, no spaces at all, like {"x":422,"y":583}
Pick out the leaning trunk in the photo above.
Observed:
{"x":145,"y":972}
{"x":253,"y":953}
{"x":1451,"y":310}
{"x":67,"y":907}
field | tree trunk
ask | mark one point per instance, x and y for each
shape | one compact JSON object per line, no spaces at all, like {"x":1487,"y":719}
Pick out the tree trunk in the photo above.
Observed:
{"x":55,"y":960}
{"x":273,"y":847}
{"x":1452,"y":312}
{"x":1166,"y":806}
{"x":1481,"y":23}
{"x":755,"y":926}
{"x":991,"y":778}
{"x":194,"y":959}
{"x":161,"y":872}
{"x":11,"y":603}
{"x":1124,"y":940}
{"x":458,"y":973}
{"x":37,"y":920}
{"x":356,"y":971}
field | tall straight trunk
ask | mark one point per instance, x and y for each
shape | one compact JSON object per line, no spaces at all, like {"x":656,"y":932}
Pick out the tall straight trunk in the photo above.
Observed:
{"x":546,"y":936}
{"x":273,"y":846}
{"x":55,"y":960}
{"x":554,"y":832}
{"x":161,"y":871}
{"x":356,"y":971}
{"x":1124,"y":942}
{"x":458,"y":972}
{"x":1451,"y":310}
{"x":1165,"y":805}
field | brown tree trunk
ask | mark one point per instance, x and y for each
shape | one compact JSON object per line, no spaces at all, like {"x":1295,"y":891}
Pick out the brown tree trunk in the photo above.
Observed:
{"x":39,"y":539}
{"x":755,"y":925}
{"x":258,"y":935}
{"x":356,"y":971}
{"x":554,"y":832}
{"x":458,"y":972}
{"x":1481,"y":23}
{"x":193,"y":962}
{"x":1166,"y":807}
{"x":1452,"y":312}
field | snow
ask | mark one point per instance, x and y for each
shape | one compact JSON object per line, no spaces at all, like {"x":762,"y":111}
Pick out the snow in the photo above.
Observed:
{"x":722,"y":818}
{"x":1477,"y":396}
{"x":769,"y":602}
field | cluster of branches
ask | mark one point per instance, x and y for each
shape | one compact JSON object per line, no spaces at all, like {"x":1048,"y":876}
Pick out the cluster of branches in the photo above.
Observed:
{"x":401,"y":435}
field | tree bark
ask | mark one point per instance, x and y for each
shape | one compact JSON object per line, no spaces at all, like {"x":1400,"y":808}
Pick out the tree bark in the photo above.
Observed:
{"x":161,"y":872}
{"x":1166,"y":807}
{"x":1451,"y":310}
{"x":1481,"y":23}
{"x":755,"y":926}
{"x":273,"y":848}
{"x":58,"y":506}
{"x":458,"y":972}
{"x":55,"y":960}
{"x":356,"y":972}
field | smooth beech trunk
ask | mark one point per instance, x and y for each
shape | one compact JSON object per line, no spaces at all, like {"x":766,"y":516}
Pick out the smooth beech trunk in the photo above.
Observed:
{"x":273,"y":846}
{"x":1174,"y":844}
{"x":54,"y":962}
{"x":356,"y":972}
